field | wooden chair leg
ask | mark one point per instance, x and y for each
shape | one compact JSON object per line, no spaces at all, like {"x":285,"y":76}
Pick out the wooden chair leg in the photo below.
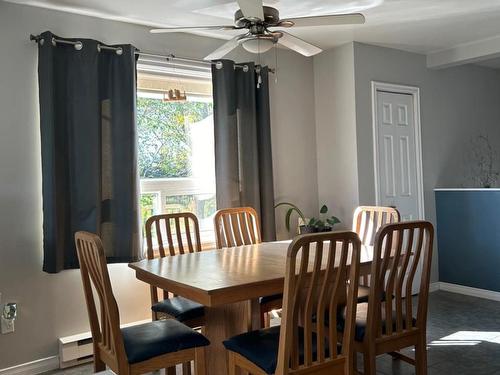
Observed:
{"x":354,"y":364}
{"x":369,"y":363}
{"x":231,"y":364}
{"x":99,"y":365}
{"x":421,"y":356}
{"x":199,"y":361}
{"x":186,"y":368}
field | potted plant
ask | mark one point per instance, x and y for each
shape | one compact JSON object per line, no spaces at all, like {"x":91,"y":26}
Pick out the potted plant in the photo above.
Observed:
{"x":324,"y":223}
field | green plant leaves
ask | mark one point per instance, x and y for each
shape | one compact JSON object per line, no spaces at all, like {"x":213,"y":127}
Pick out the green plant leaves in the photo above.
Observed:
{"x":333,"y":220}
{"x":287,"y":218}
{"x":323,"y":209}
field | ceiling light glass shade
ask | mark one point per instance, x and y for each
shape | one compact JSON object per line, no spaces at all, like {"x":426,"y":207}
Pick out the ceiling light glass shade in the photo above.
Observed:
{"x":258,"y":45}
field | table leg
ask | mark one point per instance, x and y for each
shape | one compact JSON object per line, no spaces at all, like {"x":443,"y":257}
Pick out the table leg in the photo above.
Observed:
{"x":223,"y":322}
{"x":254,"y":313}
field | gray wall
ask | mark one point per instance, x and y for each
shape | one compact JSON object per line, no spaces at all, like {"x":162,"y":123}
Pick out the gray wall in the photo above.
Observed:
{"x":336,"y":131}
{"x":457,"y":104}
{"x":293,"y":135}
{"x":52,"y":306}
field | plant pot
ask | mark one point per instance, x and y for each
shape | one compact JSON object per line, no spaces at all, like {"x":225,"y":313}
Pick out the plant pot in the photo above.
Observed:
{"x":324,"y":229}
{"x":303,"y":229}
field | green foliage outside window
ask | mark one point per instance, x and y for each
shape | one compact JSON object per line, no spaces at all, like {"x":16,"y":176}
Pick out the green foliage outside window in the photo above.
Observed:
{"x":163,"y":136}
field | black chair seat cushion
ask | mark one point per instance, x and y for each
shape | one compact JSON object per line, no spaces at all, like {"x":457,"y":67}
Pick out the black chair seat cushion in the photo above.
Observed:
{"x":180,"y":308}
{"x":149,"y":340}
{"x":363,"y":293}
{"x":261,"y":347}
{"x":267,"y":299}
{"x":361,"y":317}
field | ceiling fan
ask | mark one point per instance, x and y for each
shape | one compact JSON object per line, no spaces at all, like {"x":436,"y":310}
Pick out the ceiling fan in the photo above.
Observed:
{"x":261,"y":23}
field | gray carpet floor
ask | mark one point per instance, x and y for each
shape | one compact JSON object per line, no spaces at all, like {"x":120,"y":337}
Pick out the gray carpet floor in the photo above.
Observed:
{"x":463,"y":338}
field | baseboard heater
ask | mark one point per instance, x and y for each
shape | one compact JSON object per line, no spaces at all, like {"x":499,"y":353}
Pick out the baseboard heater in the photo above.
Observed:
{"x":78,"y":349}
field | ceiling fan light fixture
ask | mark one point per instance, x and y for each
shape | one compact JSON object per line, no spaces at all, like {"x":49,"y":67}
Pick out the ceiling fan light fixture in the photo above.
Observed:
{"x":258,"y":45}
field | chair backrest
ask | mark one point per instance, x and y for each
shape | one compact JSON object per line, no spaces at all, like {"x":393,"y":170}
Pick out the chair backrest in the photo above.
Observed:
{"x":367,"y":221}
{"x":180,"y":232}
{"x":398,"y":250}
{"x":236,"y":226}
{"x":106,"y":335}
{"x":322,"y":272}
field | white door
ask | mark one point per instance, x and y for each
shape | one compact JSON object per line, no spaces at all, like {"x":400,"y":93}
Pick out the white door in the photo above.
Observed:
{"x":397,"y":154}
{"x":398,"y":157}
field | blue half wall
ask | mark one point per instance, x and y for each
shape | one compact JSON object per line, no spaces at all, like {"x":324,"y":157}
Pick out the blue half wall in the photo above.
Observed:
{"x":468,"y":232}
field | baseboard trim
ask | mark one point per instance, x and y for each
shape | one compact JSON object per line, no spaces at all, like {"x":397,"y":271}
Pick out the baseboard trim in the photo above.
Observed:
{"x":33,"y":368}
{"x":434,"y":287}
{"x":470,"y":291}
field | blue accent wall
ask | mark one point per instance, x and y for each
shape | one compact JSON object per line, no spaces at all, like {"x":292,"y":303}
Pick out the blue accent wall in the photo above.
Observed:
{"x":468,"y":233}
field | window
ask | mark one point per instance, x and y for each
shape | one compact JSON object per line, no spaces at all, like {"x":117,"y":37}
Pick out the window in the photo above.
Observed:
{"x":176,"y":148}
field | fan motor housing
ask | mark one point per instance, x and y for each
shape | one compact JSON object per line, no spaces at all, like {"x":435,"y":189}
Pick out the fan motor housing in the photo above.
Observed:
{"x":271,"y":17}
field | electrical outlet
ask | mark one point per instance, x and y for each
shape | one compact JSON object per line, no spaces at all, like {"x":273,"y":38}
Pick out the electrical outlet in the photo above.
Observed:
{"x":7,"y":325}
{"x":8,"y":317}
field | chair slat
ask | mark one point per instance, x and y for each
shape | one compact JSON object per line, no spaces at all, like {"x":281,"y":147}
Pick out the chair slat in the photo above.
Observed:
{"x":319,"y":280}
{"x":236,"y":226}
{"x":160,"y":239}
{"x":93,"y":269}
{"x":311,"y":303}
{"x":170,"y":238}
{"x":188,"y":235}
{"x":174,"y":239}
{"x":407,"y":254}
{"x":235,"y":229}
{"x":178,"y":232}
{"x":107,"y":339}
{"x":244,"y":228}
{"x":364,"y":227}
{"x":406,"y":243}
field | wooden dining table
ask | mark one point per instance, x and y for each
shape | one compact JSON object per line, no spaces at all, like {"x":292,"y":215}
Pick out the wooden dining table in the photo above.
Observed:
{"x":228,"y":283}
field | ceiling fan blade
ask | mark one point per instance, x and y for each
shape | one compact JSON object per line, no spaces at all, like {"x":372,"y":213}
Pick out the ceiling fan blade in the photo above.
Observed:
{"x":182,"y":29}
{"x":224,"y":49}
{"x":336,"y":19}
{"x":252,"y":8}
{"x":298,"y":45}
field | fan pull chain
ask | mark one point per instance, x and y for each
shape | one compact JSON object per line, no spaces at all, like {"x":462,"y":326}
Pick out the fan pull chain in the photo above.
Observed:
{"x":276,"y":63}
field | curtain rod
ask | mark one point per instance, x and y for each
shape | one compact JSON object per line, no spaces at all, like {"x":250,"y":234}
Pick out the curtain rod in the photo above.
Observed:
{"x":78,"y":45}
{"x":171,"y":57}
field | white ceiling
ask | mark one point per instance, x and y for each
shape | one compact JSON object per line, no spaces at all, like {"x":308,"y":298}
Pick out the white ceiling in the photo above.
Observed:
{"x":416,"y":25}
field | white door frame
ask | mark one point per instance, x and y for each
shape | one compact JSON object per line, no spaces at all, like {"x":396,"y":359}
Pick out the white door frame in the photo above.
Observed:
{"x":415,"y":93}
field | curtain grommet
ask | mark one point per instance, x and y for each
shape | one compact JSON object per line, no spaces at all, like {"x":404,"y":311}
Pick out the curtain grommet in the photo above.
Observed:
{"x":219,"y":65}
{"x":245,"y":68}
{"x":78,"y":46}
{"x":119,"y":51}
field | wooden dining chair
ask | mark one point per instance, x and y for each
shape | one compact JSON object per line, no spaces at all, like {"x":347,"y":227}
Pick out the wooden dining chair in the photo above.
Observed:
{"x":136,"y":349}
{"x":170,"y":235}
{"x":387,"y":326}
{"x":367,"y":220}
{"x":322,"y":274}
{"x":241,"y":226}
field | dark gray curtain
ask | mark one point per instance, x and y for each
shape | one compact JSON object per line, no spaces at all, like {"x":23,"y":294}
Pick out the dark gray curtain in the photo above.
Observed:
{"x":243,"y":157}
{"x":88,"y":139}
